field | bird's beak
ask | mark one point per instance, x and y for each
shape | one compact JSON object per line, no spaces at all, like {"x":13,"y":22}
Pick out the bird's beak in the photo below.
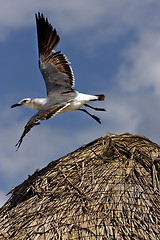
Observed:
{"x":15,"y":105}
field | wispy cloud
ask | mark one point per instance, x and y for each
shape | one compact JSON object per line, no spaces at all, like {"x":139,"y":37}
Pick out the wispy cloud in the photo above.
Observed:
{"x":122,"y":114}
{"x":140,"y":68}
{"x":99,"y":22}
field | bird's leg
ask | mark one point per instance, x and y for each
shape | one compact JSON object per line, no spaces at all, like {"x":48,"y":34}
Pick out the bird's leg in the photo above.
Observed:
{"x":96,"y":109}
{"x":93,"y":116}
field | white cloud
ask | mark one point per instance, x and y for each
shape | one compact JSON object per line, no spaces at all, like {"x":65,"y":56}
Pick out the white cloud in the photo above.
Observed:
{"x":138,"y":79}
{"x":97,"y":21}
{"x":141,"y":67}
{"x":122,"y":114}
{"x":134,"y":113}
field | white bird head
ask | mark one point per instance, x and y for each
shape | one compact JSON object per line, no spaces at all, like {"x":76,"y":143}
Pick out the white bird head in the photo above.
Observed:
{"x":35,"y":103}
{"x":26,"y":102}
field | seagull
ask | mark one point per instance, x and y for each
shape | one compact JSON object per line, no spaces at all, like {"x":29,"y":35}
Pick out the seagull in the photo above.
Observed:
{"x":59,"y":80}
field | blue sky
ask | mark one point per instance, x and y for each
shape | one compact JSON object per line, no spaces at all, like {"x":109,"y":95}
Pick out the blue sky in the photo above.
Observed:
{"x":114,"y":49}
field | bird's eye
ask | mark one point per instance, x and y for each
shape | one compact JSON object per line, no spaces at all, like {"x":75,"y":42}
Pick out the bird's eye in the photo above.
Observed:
{"x":24,"y":101}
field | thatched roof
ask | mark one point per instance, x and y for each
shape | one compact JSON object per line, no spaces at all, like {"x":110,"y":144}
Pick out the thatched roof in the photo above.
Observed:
{"x":108,"y":189}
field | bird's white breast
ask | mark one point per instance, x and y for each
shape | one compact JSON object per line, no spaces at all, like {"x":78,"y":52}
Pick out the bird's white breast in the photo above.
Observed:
{"x":79,"y":100}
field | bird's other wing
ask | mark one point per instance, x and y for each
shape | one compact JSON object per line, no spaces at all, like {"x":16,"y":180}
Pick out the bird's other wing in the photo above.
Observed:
{"x":41,"y":115}
{"x":54,"y":66}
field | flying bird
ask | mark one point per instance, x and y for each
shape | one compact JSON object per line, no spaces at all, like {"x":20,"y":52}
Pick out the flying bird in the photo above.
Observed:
{"x":59,"y":80}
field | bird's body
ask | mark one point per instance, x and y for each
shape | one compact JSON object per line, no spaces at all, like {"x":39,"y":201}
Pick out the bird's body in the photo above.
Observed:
{"x":59,"y":80}
{"x":78,"y":101}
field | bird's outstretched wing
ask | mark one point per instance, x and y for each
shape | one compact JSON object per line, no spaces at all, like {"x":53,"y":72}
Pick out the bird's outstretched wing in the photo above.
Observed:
{"x":41,"y":115}
{"x":54,"y":66}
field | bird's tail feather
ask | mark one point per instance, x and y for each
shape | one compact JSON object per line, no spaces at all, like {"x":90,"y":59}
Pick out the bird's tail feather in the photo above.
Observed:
{"x":101,"y":97}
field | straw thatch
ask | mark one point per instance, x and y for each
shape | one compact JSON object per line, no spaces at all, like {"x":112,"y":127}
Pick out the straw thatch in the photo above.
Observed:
{"x":108,"y":189}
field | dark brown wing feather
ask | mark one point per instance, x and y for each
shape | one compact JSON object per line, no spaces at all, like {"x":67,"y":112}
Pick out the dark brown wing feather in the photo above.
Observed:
{"x":41,"y":115}
{"x":54,"y":66}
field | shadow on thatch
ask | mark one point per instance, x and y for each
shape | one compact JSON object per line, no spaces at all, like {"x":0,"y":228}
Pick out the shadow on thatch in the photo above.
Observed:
{"x":108,"y":189}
